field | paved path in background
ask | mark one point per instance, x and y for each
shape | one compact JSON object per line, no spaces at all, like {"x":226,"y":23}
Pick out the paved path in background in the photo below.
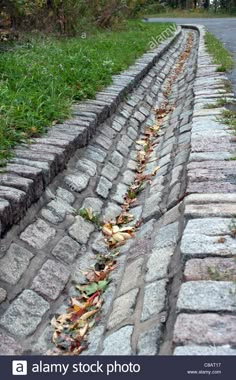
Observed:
{"x":223,"y":28}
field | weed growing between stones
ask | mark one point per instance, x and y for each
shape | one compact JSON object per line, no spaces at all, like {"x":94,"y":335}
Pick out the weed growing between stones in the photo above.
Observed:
{"x":71,"y":329}
{"x":229,"y":118}
{"x":219,"y":103}
{"x":89,"y":215}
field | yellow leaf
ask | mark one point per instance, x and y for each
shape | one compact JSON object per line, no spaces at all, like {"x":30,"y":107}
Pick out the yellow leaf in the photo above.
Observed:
{"x":141,"y":142}
{"x":107,"y":229}
{"x":115,"y":229}
{"x":118,"y":237}
{"x":126,"y":235}
{"x":90,"y":212}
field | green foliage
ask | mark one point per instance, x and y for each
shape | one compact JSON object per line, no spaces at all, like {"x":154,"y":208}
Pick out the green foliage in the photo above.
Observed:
{"x":67,"y":17}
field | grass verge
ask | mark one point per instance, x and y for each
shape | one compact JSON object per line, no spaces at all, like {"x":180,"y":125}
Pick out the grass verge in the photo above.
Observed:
{"x":220,"y":55}
{"x":40,"y":79}
{"x":191,"y":13}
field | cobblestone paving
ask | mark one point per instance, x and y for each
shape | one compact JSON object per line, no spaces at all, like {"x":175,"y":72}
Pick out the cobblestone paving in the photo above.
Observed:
{"x":173,"y":290}
{"x":224,"y":28}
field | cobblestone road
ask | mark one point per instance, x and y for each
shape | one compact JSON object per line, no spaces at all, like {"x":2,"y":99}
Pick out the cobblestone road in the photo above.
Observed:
{"x":173,"y":291}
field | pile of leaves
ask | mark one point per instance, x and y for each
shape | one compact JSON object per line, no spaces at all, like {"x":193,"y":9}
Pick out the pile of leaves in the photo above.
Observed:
{"x":71,"y":328}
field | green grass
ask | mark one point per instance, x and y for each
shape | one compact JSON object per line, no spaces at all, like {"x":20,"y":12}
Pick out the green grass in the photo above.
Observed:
{"x":39,"y":80}
{"x":220,"y":55}
{"x":229,"y":118}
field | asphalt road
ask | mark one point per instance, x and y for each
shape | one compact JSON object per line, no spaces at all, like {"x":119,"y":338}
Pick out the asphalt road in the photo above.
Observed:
{"x":223,"y":28}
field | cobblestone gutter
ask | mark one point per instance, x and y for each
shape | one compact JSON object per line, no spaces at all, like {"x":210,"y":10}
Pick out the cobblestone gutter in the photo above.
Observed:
{"x":25,"y":178}
{"x":186,"y":215}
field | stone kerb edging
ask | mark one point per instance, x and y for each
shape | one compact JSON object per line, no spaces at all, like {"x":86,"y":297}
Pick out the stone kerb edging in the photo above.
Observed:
{"x":34,"y":166}
{"x":205,"y":307}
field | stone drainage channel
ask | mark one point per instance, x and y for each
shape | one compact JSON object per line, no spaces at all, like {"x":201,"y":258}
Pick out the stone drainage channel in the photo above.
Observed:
{"x":173,"y":290}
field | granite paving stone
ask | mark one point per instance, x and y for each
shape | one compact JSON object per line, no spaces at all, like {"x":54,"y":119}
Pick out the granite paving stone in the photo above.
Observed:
{"x":81,"y":230}
{"x":120,"y":192}
{"x":103,"y":187}
{"x":8,"y":345}
{"x":14,"y":263}
{"x":77,"y":182}
{"x":94,"y":203}
{"x":24,"y":314}
{"x":205,"y":329}
{"x":218,"y":269}
{"x":66,"y":249}
{"x":202,"y":296}
{"x":38,"y":234}
{"x":51,"y":279}
{"x":154,"y":299}
{"x":123,"y":308}
{"x":132,"y":275}
{"x":86,"y":166}
{"x":195,"y":350}
{"x":119,"y":341}
{"x":117,"y":159}
{"x":149,"y":341}
{"x":110,"y":171}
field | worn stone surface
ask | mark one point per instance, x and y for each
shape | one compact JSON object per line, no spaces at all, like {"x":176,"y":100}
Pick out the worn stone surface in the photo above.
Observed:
{"x":38,"y":234}
{"x":128,"y":177}
{"x":94,"y":203}
{"x":14,"y":263}
{"x":205,"y":329}
{"x":8,"y":345}
{"x":207,"y":296}
{"x":24,"y":314}
{"x":77,"y":182}
{"x":119,"y":341}
{"x":66,"y":249}
{"x":149,"y":341}
{"x":66,"y":195}
{"x":122,"y":149}
{"x":120,"y":192}
{"x":154,"y":299}
{"x":3,"y":295}
{"x":56,"y":211}
{"x":81,"y":230}
{"x":86,"y":166}
{"x":217,"y":269}
{"x":111,"y":212}
{"x":205,"y":350}
{"x":123,"y":308}
{"x":103,"y":187}
{"x":204,"y":237}
{"x":158,"y":263}
{"x":152,"y":207}
{"x":96,"y":154}
{"x":131,"y":275}
{"x":110,"y":171}
{"x":51,"y":279}
{"x":210,"y":210}
{"x":117,"y":159}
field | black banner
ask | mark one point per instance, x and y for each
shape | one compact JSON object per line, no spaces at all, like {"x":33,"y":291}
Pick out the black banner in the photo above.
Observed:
{"x":113,"y":367}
